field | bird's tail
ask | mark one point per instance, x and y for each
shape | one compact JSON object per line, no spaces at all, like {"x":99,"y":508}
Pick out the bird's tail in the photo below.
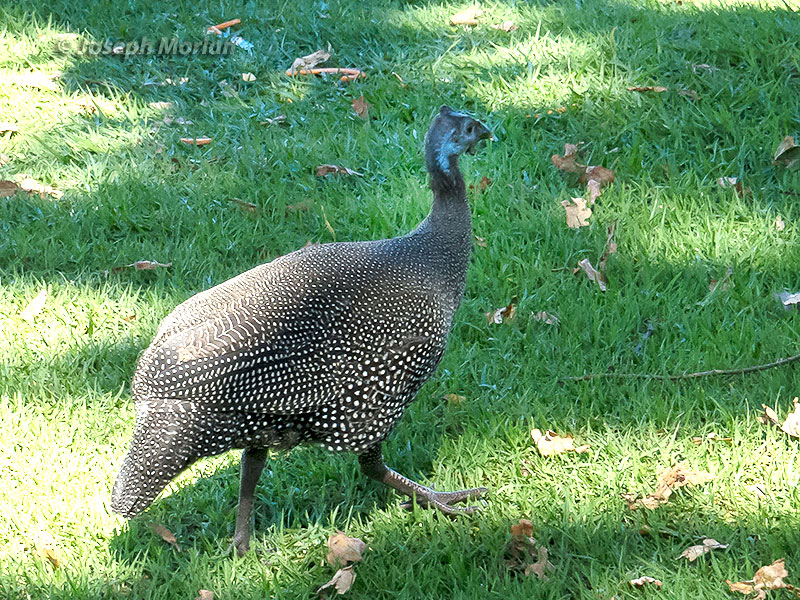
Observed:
{"x":165,"y":442}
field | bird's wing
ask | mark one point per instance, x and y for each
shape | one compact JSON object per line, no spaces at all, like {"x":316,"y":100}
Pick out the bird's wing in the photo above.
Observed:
{"x":270,"y":342}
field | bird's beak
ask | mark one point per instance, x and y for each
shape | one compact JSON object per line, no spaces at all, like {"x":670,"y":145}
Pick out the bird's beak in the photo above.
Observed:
{"x":486,"y":134}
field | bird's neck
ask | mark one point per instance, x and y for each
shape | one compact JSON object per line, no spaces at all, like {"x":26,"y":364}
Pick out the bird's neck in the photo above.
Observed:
{"x":450,"y":214}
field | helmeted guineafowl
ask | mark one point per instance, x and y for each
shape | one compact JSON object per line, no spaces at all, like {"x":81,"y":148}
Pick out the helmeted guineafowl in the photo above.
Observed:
{"x":328,"y":344}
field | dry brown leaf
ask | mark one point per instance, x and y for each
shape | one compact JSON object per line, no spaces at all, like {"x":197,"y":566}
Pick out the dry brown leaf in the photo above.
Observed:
{"x":217,"y":29}
{"x":201,"y":141}
{"x":594,"y":190}
{"x":670,"y":479}
{"x":657,"y":89}
{"x":166,"y":535}
{"x":505,"y":313}
{"x":34,"y":307}
{"x":541,"y":566}
{"x":524,"y":553}
{"x":550,"y":443}
{"x":791,"y":425}
{"x":689,"y":94}
{"x":341,"y":581}
{"x":592,"y":273}
{"x":787,"y":154}
{"x":694,"y":552}
{"x":143,"y":265}
{"x":524,"y":528}
{"x":8,"y":188}
{"x":204,"y":595}
{"x":6,"y":126}
{"x":466,"y":17}
{"x":323,"y":170}
{"x":577,"y":212}
{"x":37,"y":79}
{"x":769,"y":577}
{"x":545,"y":317}
{"x":310,"y":60}
{"x":343,"y":549}
{"x":361,"y":107}
{"x":484,"y":183}
{"x":45,"y":546}
{"x":567,"y":162}
{"x":733,"y":183}
{"x":507,"y":26}
{"x":245,"y":205}
{"x":600,"y":174}
{"x":643,"y":581}
{"x":480,"y":241}
{"x":454,"y":398}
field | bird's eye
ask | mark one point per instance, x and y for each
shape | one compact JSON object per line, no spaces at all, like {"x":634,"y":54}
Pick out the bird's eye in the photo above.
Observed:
{"x":470,"y":129}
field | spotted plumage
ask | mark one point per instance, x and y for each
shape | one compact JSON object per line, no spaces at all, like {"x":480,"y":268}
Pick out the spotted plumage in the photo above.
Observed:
{"x":328,"y":344}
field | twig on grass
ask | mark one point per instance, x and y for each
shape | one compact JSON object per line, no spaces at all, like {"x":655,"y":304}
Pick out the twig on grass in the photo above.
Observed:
{"x":742,"y":371}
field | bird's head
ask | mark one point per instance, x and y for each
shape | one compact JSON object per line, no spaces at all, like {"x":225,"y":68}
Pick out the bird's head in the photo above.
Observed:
{"x":452,"y":133}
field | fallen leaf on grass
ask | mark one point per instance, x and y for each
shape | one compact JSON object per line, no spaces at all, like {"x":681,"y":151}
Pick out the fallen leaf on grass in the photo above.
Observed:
{"x":274,"y":121}
{"x":577,"y":212}
{"x":6,"y":126}
{"x":525,"y":554}
{"x":347,"y":74}
{"x":309,"y":61}
{"x":484,"y":183}
{"x":779,"y":223}
{"x":787,"y":154}
{"x":643,"y":581}
{"x":599,"y":174}
{"x":692,"y":553}
{"x":611,"y":247}
{"x":507,"y":26}
{"x":545,"y":318}
{"x":791,"y":426}
{"x":248,"y":77}
{"x":143,"y":265}
{"x":245,"y":205}
{"x":594,"y":190}
{"x":8,"y":188}
{"x":34,"y":307}
{"x":670,"y":479}
{"x":550,"y":443}
{"x":766,"y":578}
{"x":689,"y":94}
{"x":592,"y":273}
{"x":789,"y":300}
{"x":567,"y":162}
{"x":454,"y":398}
{"x":361,"y":107}
{"x":217,"y":29}
{"x":341,"y":581}
{"x":466,"y":17}
{"x":735,"y":184}
{"x":38,"y":80}
{"x":656,"y":89}
{"x":323,"y":170}
{"x":45,"y":546}
{"x":204,"y":595}
{"x":166,"y":535}
{"x":201,"y":141}
{"x":34,"y":187}
{"x":480,"y":241}
{"x":702,"y":67}
{"x":161,"y":105}
{"x":505,"y":313}
{"x":343,"y":549}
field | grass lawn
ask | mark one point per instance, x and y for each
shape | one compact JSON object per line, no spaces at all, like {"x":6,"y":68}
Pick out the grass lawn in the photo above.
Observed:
{"x":102,"y":134}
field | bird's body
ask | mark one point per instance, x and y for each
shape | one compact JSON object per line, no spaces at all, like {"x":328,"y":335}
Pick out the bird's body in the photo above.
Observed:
{"x":328,"y":344}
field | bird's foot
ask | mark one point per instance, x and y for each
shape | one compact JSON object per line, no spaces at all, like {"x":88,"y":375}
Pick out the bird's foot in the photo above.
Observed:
{"x":443,"y":500}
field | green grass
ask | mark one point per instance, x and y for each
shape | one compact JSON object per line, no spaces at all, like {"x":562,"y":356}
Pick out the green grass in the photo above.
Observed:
{"x":133,"y":191}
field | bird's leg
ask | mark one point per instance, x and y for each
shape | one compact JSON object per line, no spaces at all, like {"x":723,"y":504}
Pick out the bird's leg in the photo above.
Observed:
{"x":372,"y":466}
{"x":252,"y":464}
